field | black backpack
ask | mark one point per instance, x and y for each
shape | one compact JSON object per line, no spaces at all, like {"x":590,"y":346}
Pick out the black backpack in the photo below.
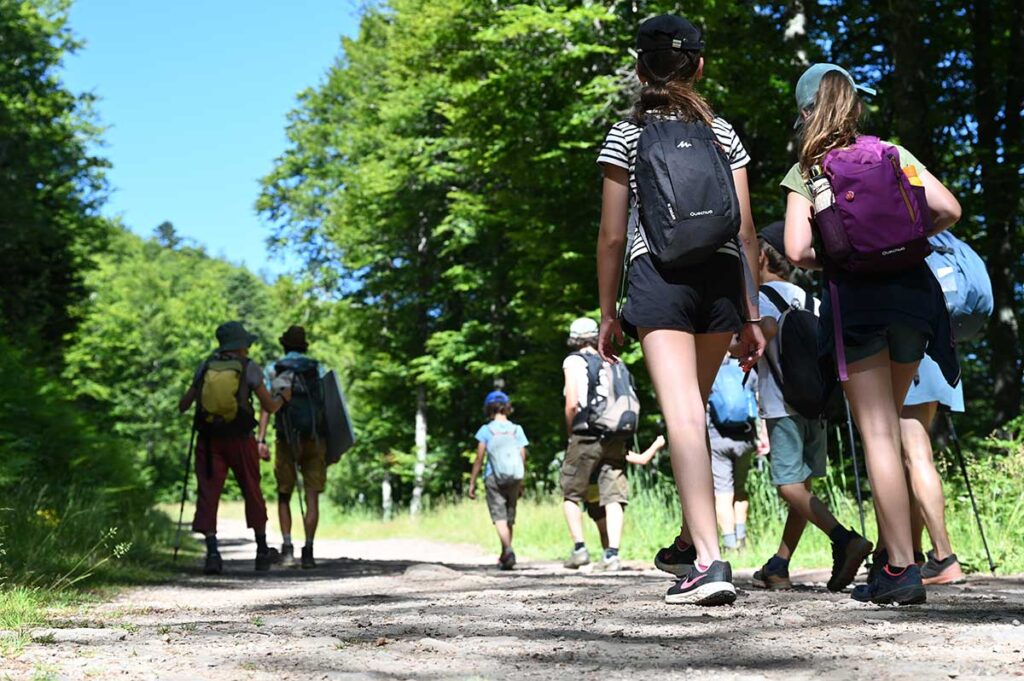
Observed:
{"x":688,"y":204}
{"x":805,"y":386}
{"x":304,"y":415}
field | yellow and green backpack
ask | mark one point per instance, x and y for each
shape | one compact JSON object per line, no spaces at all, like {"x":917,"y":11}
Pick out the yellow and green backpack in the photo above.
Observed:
{"x":224,"y":406}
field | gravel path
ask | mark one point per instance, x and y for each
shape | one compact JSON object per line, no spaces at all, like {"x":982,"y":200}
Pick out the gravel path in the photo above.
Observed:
{"x":413,"y":609}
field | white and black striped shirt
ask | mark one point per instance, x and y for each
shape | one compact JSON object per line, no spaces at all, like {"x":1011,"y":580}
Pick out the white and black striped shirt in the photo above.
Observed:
{"x":619,"y":149}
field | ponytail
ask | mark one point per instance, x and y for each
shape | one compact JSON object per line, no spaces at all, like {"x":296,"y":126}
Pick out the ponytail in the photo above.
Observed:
{"x":832,"y":120}
{"x":669,"y":77}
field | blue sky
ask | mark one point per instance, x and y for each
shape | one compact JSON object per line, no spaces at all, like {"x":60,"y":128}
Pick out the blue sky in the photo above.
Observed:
{"x":194,"y":94}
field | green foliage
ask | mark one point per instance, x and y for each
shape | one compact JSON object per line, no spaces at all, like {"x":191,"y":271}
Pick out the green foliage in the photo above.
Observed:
{"x":52,"y":184}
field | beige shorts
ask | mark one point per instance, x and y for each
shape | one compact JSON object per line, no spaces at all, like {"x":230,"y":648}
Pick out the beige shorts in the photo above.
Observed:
{"x":587,"y":454}
{"x":312,"y":456}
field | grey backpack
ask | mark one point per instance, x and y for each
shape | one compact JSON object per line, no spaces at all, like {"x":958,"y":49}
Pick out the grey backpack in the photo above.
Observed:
{"x":612,"y":407}
{"x":504,"y":452}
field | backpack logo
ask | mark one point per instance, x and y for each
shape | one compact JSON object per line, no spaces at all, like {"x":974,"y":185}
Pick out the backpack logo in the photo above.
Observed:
{"x":684,"y":145}
{"x":698,"y":213}
{"x":894,"y":250}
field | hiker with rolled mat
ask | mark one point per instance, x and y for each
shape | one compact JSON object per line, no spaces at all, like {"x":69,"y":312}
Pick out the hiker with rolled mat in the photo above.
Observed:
{"x":300,"y":448}
{"x":222,"y":391}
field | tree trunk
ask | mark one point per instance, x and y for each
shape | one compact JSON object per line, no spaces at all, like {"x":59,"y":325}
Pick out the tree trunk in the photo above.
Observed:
{"x":385,"y":495}
{"x":421,"y":450}
{"x":1001,"y":195}
{"x":912,"y":76}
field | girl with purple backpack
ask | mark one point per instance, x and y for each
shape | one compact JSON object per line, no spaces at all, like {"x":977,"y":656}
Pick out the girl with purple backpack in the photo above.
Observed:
{"x":883,"y":309}
{"x":691,"y":236}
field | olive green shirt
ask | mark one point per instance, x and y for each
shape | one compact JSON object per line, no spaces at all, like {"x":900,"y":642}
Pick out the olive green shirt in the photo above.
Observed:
{"x":795,"y":181}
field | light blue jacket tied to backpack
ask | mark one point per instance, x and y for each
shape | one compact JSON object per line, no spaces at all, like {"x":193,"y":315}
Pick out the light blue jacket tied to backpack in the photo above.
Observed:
{"x":965,"y":284}
{"x":504,"y":451}
{"x":733,"y":404}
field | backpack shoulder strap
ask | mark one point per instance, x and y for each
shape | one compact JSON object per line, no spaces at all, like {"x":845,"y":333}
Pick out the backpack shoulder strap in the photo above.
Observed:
{"x":777,"y":300}
{"x":594,"y":363}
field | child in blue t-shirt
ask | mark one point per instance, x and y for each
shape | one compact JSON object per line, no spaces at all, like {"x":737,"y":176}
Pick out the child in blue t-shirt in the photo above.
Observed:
{"x":505,"y":445}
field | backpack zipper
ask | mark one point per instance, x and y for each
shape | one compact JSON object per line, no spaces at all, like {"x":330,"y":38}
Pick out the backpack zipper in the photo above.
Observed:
{"x":903,"y":191}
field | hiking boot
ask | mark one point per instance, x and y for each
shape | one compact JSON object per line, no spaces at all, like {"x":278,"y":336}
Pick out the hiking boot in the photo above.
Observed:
{"x":307,"y":558}
{"x":577,"y":559}
{"x":674,"y":560}
{"x":214,"y":564}
{"x":888,"y":588}
{"x":263,"y":560}
{"x":711,"y":587}
{"x":608,"y":564}
{"x":507,"y":560}
{"x":945,"y":571}
{"x":847,"y":557}
{"x":287,"y":556}
{"x":773,"y":581}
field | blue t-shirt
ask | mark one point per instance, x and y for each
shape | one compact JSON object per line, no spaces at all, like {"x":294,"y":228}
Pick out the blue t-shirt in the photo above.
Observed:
{"x":270,"y":373}
{"x":484,"y":435}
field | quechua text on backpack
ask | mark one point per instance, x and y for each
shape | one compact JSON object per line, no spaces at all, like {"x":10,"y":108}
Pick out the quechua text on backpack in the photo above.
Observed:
{"x":612,"y":406}
{"x":685,"y":190}
{"x":965,"y":283}
{"x":303,"y":417}
{"x":732,"y":404}
{"x":797,"y":371}
{"x":224,"y":407}
{"x":504,"y":452}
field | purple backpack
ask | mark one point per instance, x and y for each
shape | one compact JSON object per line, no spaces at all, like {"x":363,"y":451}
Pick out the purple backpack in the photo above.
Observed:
{"x":878,"y":222}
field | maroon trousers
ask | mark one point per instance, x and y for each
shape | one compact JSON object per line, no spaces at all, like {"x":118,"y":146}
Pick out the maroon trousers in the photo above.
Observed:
{"x":214,"y":456}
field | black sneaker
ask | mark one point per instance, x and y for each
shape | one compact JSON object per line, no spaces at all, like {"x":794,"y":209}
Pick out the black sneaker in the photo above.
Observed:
{"x":711,"y":587}
{"x":214,"y":564}
{"x":773,"y":581}
{"x":847,"y":557}
{"x":507,"y":561}
{"x":674,"y":560}
{"x":263,"y":560}
{"x":887,"y":588}
{"x":307,"y":558}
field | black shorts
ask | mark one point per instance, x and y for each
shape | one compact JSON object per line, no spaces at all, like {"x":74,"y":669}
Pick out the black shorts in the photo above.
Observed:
{"x":706,"y":298}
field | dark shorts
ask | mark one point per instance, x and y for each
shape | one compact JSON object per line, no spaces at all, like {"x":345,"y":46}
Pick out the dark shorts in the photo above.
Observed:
{"x":706,"y":298}
{"x":906,"y":344}
{"x":502,"y":498}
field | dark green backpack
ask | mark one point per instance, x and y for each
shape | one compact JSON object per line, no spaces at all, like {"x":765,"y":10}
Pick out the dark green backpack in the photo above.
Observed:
{"x":303,"y":416}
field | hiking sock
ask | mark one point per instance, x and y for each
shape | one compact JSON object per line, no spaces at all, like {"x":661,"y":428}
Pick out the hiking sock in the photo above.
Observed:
{"x":775,"y":565}
{"x":579,"y":546}
{"x":894,"y":571}
{"x":286,"y":538}
{"x":261,"y":542}
{"x":211,"y":545}
{"x":741,"y":531}
{"x":309,"y":543}
{"x":729,"y":540}
{"x":839,"y":535}
{"x":681,"y":544}
{"x":610,"y":553}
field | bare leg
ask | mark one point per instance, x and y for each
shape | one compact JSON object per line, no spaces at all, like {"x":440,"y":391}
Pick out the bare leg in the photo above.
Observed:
{"x":800,"y":499}
{"x":876,"y":389}
{"x":312,"y":518}
{"x":504,"y":534}
{"x":602,"y":529}
{"x":915,"y":427}
{"x":791,"y":533}
{"x":725,"y":513}
{"x":740,"y":510}
{"x":683,"y":367}
{"x":613,"y":523}
{"x":574,"y":519}
{"x":284,"y":514}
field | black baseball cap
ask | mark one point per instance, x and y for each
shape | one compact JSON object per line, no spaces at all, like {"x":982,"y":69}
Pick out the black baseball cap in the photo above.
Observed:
{"x":775,"y":236}
{"x":668,"y":32}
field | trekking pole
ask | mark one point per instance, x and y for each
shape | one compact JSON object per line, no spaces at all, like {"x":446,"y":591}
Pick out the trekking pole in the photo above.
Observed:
{"x":974,"y":504}
{"x":856,"y":469}
{"x":184,"y":491}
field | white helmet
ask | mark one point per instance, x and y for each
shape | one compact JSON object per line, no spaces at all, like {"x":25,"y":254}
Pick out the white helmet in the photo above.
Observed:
{"x":583,"y":328}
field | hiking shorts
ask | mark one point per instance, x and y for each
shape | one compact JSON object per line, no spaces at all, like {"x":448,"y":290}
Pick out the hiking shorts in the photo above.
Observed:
{"x":502,"y":498}
{"x":616,"y":487}
{"x":798,"y":449}
{"x":906,"y":344}
{"x":730,"y":463}
{"x":312,"y":458}
{"x":586,"y":454}
{"x":706,"y":298}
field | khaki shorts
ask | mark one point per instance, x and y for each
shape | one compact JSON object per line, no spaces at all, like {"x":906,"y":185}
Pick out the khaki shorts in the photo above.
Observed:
{"x":502,"y":498}
{"x":312,"y":455}
{"x":587,"y":454}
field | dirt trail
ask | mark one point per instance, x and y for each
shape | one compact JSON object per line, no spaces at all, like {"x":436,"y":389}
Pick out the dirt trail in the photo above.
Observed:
{"x":416,"y":609}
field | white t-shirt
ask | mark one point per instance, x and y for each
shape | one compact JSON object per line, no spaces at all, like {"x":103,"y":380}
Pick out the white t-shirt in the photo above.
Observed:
{"x":773,"y":406}
{"x":576,"y":368}
{"x":619,"y":149}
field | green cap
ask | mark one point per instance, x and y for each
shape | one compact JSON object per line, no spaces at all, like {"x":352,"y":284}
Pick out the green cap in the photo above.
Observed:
{"x":807,"y":86}
{"x":233,"y":336}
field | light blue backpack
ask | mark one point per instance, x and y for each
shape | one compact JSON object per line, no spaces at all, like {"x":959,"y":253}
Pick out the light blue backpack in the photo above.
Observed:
{"x":504,"y":452}
{"x":732,"y":404}
{"x":965,"y":284}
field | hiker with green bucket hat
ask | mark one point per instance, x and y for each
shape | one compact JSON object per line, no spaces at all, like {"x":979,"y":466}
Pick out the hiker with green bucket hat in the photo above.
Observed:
{"x":222,"y":390}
